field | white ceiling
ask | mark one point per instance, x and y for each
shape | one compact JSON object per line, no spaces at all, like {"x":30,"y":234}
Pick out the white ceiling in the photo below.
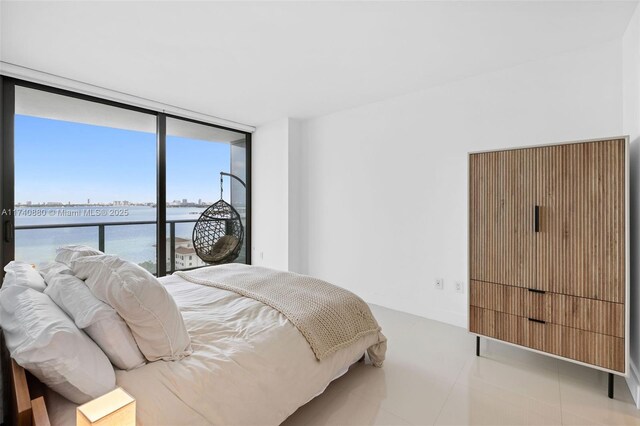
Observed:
{"x":254,"y":62}
{"x":38,"y":103}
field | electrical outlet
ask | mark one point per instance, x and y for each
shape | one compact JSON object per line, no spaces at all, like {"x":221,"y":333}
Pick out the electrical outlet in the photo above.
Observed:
{"x":439,"y":284}
{"x":459,"y":287}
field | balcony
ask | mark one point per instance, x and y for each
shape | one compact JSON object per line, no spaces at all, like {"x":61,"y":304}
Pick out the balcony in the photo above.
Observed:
{"x":98,"y":234}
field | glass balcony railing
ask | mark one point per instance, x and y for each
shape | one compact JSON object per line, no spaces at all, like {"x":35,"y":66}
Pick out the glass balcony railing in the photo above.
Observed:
{"x":134,"y":241}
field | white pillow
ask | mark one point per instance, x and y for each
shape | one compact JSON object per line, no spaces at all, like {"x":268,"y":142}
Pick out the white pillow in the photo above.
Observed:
{"x":23,"y":274}
{"x":140,"y":299}
{"x":68,"y":254}
{"x":42,"y":339}
{"x":53,"y":268}
{"x":99,"y":320}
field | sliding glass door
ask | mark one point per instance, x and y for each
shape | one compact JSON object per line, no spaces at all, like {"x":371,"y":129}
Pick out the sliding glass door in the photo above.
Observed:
{"x":196,"y":156}
{"x":82,"y":170}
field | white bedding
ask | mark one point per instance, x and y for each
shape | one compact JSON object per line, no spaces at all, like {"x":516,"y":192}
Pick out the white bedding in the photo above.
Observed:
{"x":250,"y":366}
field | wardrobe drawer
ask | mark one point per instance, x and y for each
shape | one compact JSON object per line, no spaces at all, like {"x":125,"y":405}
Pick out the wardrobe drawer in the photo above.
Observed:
{"x":511,"y":300}
{"x":591,"y":348}
{"x":581,"y":345}
{"x":598,"y":316}
{"x":497,"y":297}
{"x":537,"y":305}
{"x":498,"y":325}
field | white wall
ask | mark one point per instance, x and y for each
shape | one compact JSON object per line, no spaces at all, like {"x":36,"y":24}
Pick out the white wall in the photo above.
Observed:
{"x":384,"y":186}
{"x":297,"y":179}
{"x":270,"y":195}
{"x":631,"y":126}
{"x":277,"y":179}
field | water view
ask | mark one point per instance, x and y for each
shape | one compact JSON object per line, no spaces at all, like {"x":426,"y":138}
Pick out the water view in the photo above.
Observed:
{"x":132,"y":242}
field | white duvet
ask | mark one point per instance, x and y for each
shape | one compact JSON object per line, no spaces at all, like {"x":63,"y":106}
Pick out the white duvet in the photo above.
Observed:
{"x":250,"y":366}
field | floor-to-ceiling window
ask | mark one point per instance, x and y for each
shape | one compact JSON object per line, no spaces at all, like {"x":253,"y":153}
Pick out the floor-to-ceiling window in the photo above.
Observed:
{"x":196,"y":154}
{"x":84,"y":173}
{"x":87,"y":171}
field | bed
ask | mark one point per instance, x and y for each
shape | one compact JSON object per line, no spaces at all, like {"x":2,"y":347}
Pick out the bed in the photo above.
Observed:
{"x":250,"y":365}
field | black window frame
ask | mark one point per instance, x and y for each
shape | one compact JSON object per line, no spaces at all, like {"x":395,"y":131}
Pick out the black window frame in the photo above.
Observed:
{"x":7,"y":170}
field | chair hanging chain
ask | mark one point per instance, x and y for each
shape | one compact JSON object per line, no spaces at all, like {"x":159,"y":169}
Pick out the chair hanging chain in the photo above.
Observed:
{"x":221,"y":183}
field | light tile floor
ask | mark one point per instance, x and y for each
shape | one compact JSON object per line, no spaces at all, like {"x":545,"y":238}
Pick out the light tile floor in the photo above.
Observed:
{"x":432,"y":377}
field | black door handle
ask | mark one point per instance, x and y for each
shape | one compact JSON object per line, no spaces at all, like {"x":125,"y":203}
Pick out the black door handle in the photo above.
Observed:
{"x":8,"y":231}
{"x":535,"y":290}
{"x":537,"y":320}
{"x":536,"y":219}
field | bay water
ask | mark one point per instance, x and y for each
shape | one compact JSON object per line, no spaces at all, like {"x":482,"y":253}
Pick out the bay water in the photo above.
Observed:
{"x":132,"y":242}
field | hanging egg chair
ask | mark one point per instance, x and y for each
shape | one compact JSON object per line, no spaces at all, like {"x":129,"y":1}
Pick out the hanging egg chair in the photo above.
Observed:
{"x":218,"y":234}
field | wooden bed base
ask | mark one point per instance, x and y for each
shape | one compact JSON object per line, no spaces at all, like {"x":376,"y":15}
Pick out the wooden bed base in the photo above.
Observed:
{"x":23,"y":394}
{"x":26,"y":411}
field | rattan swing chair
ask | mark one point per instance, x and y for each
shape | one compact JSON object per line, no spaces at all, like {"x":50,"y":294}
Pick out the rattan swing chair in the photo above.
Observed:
{"x":219,"y":234}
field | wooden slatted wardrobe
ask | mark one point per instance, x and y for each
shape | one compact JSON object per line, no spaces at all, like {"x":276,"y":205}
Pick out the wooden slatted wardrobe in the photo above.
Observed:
{"x":548,"y":250}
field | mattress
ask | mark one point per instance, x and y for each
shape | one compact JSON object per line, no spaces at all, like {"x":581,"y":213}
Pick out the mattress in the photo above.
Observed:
{"x":250,"y":366}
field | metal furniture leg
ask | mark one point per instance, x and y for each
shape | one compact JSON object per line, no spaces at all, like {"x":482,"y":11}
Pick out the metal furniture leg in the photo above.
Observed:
{"x":611,"y":385}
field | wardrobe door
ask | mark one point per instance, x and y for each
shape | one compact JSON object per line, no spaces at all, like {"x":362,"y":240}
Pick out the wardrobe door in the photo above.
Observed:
{"x":581,"y":243}
{"x":501,"y":217}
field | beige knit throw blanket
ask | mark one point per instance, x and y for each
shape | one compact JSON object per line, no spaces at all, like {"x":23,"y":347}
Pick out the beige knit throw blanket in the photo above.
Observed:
{"x":329,"y":317}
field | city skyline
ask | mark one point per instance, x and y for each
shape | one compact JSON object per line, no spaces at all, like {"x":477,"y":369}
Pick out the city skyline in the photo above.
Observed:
{"x":119,"y":203}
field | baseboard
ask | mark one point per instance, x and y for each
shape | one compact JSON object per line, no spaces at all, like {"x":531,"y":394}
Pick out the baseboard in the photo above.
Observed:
{"x":448,"y":317}
{"x":440,"y":315}
{"x":633,"y":381}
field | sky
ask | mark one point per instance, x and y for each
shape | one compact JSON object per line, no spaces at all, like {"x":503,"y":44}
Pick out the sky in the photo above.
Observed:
{"x":72,"y":162}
